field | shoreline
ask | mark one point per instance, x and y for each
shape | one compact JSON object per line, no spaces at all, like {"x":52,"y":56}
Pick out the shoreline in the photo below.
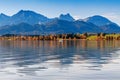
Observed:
{"x":61,"y":37}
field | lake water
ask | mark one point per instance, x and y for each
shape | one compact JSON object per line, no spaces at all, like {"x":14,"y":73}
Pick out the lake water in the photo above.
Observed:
{"x":51,"y":60}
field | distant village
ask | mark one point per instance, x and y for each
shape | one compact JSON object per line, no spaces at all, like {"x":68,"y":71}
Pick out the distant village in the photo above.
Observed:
{"x":77,"y":36}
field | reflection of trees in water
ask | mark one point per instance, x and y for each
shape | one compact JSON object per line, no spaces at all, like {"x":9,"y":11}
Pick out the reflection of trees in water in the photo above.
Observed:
{"x":36,"y":52}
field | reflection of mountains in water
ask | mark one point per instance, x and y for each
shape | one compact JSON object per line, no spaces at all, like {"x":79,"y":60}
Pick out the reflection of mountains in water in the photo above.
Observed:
{"x":60,"y":54}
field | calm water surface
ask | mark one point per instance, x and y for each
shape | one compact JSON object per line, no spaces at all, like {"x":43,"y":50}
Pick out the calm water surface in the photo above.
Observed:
{"x":51,"y":60}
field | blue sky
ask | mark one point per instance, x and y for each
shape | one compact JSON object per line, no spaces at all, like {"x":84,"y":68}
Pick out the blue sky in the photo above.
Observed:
{"x":53,"y":8}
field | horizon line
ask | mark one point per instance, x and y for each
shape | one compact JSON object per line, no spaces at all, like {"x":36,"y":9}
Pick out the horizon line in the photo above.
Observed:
{"x":75,"y":17}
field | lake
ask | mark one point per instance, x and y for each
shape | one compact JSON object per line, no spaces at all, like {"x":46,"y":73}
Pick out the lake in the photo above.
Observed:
{"x":52,"y":60}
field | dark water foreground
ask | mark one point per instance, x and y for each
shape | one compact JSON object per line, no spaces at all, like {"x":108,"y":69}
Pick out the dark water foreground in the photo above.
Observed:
{"x":51,"y":60}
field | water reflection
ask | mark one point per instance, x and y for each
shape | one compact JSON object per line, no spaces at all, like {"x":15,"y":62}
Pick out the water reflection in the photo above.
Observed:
{"x":35,"y":57}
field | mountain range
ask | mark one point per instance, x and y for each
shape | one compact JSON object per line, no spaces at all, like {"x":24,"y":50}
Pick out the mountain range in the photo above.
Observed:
{"x":30,"y":22}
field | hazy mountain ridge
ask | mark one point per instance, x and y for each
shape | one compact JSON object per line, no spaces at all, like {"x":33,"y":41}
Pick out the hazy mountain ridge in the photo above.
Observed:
{"x":29,"y":17}
{"x":23,"y":16}
{"x":66,"y":17}
{"x":29,"y":22}
{"x":4,"y":19}
{"x":97,"y":20}
{"x":105,"y":24}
